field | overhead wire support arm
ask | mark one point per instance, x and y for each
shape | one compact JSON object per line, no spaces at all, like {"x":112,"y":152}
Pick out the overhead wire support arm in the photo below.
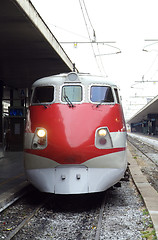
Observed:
{"x":145,"y":50}
{"x":92,"y":42}
{"x":89,"y":42}
{"x":155,"y":41}
{"x":146,"y":81}
{"x":150,"y":40}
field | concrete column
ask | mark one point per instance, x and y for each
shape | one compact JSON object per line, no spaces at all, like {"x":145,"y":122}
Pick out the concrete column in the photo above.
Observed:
{"x":1,"y":111}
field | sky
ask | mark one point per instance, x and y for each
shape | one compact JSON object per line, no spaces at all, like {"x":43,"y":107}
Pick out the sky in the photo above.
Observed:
{"x":128,"y":23}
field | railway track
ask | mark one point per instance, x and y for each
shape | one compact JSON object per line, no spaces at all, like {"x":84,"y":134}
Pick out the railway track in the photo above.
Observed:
{"x":147,"y":158}
{"x":15,"y":216}
{"x":23,"y":223}
{"x":146,"y":149}
{"x":56,"y":204}
{"x":114,"y":214}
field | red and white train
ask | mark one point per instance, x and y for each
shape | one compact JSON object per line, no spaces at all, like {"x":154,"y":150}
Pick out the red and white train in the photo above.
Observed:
{"x":75,"y":139}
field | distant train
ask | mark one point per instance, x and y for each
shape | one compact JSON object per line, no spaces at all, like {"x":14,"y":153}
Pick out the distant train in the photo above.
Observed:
{"x":75,"y":139}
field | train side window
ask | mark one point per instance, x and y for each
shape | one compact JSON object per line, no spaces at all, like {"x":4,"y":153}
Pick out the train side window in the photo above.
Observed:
{"x":101,"y":94}
{"x":43,"y":94}
{"x":117,"y":95}
{"x":73,"y":92}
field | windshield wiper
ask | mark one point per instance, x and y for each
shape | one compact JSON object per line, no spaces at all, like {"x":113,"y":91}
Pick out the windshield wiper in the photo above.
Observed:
{"x":44,"y":105}
{"x":100,"y":103}
{"x":68,"y":101}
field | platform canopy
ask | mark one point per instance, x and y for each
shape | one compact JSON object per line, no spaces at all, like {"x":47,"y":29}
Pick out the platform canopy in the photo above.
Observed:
{"x":28,"y":49}
{"x":150,"y":108}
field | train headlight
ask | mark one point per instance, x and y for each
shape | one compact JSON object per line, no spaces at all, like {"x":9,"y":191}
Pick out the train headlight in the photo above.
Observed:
{"x":102,"y":132}
{"x":41,"y":133}
{"x":103,"y":138}
{"x":39,"y":139}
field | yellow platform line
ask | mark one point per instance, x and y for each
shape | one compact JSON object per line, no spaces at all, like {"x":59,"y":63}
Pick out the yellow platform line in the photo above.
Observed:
{"x":11,"y":179}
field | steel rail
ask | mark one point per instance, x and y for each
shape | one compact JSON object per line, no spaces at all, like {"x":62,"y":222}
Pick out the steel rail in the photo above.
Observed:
{"x":145,"y":154}
{"x":24,"y":222}
{"x":97,"y":236}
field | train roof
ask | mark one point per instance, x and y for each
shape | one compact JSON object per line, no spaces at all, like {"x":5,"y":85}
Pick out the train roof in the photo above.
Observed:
{"x":73,"y":77}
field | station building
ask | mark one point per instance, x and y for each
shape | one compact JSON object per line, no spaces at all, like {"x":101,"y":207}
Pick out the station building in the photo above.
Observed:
{"x":146,"y":120}
{"x":29,"y":51}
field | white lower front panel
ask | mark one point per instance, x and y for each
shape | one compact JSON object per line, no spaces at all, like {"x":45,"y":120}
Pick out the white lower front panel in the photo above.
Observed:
{"x":100,"y":179}
{"x":74,"y":180}
{"x":71,"y":180}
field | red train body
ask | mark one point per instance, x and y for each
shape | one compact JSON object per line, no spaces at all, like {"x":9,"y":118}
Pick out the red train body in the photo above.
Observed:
{"x":82,"y":148}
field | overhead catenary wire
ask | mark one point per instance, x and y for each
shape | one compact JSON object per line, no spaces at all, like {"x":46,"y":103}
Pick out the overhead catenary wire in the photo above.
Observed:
{"x":91,"y":39}
{"x":149,"y":68}
{"x":145,"y":49}
{"x":100,"y":59}
{"x":66,"y":30}
{"x":85,"y":20}
{"x":88,"y":15}
{"x":94,"y":34}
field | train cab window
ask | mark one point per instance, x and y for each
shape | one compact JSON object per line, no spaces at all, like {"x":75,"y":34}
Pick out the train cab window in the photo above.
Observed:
{"x":117,"y":95}
{"x":101,"y":94}
{"x":71,"y":92}
{"x":43,"y":94}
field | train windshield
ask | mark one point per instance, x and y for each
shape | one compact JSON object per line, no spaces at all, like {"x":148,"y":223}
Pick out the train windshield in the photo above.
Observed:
{"x":72,"y":92}
{"x":101,"y":94}
{"x":43,"y":94}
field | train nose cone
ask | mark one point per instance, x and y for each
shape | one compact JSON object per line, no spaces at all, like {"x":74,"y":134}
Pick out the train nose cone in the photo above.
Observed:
{"x":77,"y":127}
{"x":76,"y":135}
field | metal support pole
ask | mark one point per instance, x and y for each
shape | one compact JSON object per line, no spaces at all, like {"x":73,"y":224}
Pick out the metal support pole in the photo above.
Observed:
{"x":1,"y":111}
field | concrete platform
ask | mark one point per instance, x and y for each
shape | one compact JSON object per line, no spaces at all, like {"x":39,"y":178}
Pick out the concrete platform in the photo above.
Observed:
{"x":148,"y":193}
{"x":13,"y":182}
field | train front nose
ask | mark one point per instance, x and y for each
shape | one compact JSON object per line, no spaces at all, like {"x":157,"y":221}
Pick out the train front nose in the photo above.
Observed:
{"x":69,"y":144}
{"x":75,"y":135}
